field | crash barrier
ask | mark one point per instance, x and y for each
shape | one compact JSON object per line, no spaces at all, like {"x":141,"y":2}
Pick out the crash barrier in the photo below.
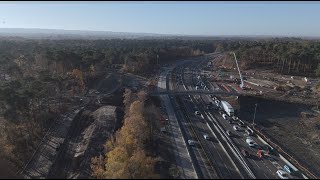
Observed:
{"x":282,"y":151}
{"x":233,"y":148}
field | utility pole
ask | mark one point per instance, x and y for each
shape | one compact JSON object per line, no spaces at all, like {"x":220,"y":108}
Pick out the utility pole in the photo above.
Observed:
{"x":254,"y":116}
{"x":158,"y":59}
{"x":242,"y":84}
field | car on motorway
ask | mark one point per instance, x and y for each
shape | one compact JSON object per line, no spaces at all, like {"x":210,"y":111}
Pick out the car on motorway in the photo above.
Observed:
{"x":245,"y":153}
{"x":235,"y":118}
{"x":230,"y":121}
{"x":249,"y":132}
{"x":287,"y":168}
{"x":197,"y":113}
{"x":260,"y":154}
{"x":211,"y":96}
{"x":224,"y":116}
{"x":269,"y":150}
{"x":241,"y":124}
{"x":251,"y":142}
{"x":282,"y":174}
{"x":191,"y":142}
{"x":229,"y":133}
{"x":197,"y":87}
{"x":206,"y":136}
{"x":236,"y":128}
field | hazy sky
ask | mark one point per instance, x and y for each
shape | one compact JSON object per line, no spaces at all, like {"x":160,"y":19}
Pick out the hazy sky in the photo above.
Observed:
{"x":193,"y":18}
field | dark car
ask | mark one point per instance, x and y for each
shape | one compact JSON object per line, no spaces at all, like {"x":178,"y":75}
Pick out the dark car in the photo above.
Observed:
{"x":245,"y":153}
{"x":249,"y":132}
{"x":269,"y":150}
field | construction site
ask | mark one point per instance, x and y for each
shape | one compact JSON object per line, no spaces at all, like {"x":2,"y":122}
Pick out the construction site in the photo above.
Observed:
{"x":285,"y":109}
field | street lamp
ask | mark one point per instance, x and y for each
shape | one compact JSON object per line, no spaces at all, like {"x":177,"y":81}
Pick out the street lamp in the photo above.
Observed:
{"x":254,"y":116}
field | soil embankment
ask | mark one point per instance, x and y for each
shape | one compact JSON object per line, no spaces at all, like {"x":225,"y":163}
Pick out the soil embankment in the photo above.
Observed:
{"x":85,"y":139}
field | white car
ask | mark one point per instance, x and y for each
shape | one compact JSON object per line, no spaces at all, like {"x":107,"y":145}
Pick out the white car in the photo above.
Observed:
{"x":282,"y":174}
{"x":205,"y":136}
{"x":251,"y":142}
{"x":197,"y":113}
{"x":224,"y":116}
{"x":191,"y":142}
{"x":236,"y":128}
{"x":235,"y":118}
{"x":229,"y":133}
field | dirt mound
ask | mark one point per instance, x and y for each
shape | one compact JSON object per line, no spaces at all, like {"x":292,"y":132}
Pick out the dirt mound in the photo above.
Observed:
{"x":105,"y":116}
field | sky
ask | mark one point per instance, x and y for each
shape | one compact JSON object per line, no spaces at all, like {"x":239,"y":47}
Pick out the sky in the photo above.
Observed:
{"x":185,"y":18}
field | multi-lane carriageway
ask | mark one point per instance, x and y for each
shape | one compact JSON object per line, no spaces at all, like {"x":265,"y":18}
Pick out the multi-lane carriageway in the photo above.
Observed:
{"x":220,"y":156}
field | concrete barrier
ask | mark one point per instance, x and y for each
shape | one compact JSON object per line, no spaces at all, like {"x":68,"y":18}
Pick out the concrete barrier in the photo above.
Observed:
{"x":281,"y":157}
{"x":233,"y":148}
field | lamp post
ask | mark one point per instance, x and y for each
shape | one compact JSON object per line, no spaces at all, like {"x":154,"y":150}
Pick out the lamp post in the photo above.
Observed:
{"x":254,"y":116}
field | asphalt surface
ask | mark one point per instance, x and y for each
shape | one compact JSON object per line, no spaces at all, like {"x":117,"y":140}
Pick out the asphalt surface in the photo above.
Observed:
{"x":220,"y":156}
{"x":264,"y":168}
{"x":182,"y":156}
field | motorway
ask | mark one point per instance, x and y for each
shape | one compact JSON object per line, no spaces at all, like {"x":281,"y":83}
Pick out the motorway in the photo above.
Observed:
{"x":220,"y":156}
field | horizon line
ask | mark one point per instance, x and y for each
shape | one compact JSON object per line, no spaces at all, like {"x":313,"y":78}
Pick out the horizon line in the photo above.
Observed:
{"x":163,"y":34}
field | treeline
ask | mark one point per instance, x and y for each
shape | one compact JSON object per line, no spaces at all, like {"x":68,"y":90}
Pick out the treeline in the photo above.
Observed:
{"x":61,"y":56}
{"x":127,"y":155}
{"x":286,"y":56}
{"x":27,"y":111}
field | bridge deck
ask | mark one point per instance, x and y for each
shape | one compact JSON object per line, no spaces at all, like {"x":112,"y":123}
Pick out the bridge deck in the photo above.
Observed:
{"x":156,"y":93}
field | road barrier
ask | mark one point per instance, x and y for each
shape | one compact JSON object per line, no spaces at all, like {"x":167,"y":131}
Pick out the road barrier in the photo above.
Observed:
{"x":184,"y":111}
{"x":267,"y":140}
{"x":233,"y":147}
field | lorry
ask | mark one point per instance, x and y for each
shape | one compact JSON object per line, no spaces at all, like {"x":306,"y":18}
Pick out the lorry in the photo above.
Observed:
{"x":227,"y":108}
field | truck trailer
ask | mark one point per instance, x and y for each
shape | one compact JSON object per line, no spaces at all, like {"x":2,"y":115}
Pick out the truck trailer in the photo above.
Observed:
{"x":227,"y":108}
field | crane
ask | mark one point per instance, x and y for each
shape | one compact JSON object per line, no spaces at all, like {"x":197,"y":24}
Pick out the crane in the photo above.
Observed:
{"x":242,"y":84}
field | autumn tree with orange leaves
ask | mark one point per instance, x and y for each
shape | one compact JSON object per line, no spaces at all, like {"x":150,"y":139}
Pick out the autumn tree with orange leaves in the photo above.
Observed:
{"x":126,"y":157}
